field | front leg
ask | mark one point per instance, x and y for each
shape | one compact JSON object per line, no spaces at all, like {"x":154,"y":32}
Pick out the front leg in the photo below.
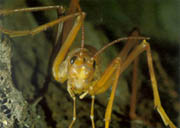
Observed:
{"x":110,"y":76}
{"x":71,"y":93}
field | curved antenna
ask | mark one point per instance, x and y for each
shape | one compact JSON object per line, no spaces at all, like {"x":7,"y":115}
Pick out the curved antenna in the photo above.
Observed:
{"x":82,"y":36}
{"x":117,"y":41}
{"x":82,"y":28}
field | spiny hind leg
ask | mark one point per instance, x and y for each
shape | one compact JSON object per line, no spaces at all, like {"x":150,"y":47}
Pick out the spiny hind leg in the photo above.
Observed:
{"x":14,"y":33}
{"x":157,"y":101}
{"x":132,"y":113}
{"x":144,"y":46}
{"x":134,"y":88}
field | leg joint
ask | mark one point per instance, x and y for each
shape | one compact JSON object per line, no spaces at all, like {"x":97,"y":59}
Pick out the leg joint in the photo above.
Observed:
{"x":91,"y":117}
{"x":74,"y":118}
{"x":117,"y":60}
{"x":93,"y":96}
{"x":107,"y":119}
{"x":145,"y":43}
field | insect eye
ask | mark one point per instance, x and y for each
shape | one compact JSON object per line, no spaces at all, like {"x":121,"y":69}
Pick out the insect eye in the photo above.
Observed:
{"x":73,"y":59}
{"x":94,"y":64}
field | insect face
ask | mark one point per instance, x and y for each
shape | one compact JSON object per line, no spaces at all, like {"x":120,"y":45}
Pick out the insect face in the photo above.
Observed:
{"x":80,"y":71}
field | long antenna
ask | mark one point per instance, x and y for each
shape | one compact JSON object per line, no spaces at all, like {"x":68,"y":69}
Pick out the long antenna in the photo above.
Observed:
{"x":82,"y":28}
{"x":117,"y":41}
{"x":82,"y":36}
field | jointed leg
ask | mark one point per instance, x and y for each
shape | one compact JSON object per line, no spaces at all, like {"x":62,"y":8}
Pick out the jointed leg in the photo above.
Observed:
{"x":134,"y":86}
{"x":66,"y":44}
{"x":111,"y":99}
{"x":157,"y":102}
{"x":92,"y":111}
{"x":74,"y":112}
{"x":106,"y":79}
{"x":36,"y":30}
{"x":110,"y":76}
{"x":101,"y":85}
{"x":144,"y":46}
{"x":132,"y":112}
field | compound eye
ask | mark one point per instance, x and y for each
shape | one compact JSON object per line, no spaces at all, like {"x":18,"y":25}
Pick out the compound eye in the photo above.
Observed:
{"x":94,"y":64}
{"x":73,"y":59}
